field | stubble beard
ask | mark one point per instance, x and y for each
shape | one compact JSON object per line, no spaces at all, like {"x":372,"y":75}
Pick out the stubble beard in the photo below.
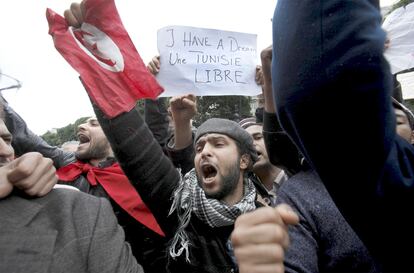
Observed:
{"x":228,"y":183}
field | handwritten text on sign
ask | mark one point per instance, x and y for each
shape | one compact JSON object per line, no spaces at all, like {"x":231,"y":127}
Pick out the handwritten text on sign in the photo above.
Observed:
{"x":207,"y":62}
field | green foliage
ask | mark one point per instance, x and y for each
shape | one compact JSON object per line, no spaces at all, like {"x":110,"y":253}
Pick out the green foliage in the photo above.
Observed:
{"x":410,"y":104}
{"x":61,"y":135}
{"x":230,"y":107}
{"x":51,"y":138}
{"x":140,"y":107}
{"x":401,"y":3}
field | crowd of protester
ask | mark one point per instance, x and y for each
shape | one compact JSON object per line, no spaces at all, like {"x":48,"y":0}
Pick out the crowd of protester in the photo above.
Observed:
{"x":321,"y":179}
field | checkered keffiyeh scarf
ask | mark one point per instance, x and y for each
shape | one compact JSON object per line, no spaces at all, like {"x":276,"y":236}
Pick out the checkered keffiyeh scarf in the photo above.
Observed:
{"x":190,"y":198}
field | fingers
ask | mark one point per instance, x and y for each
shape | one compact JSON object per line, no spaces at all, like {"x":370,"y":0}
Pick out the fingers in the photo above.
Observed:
{"x":287,"y":214}
{"x":259,"y":216}
{"x":174,"y":100}
{"x":43,"y":179}
{"x":191,"y":97}
{"x":5,"y":186}
{"x":267,"y":258}
{"x":189,"y":101}
{"x":264,"y":225}
{"x":74,"y":15}
{"x":23,"y":167}
{"x":259,"y":75}
{"x":267,"y":53}
{"x":154,"y":65}
{"x":260,"y":238}
{"x":266,"y":253}
{"x":77,"y":12}
{"x":71,"y":19}
{"x":262,"y":234}
{"x":184,"y":101}
{"x":33,"y":174}
{"x":261,"y":268}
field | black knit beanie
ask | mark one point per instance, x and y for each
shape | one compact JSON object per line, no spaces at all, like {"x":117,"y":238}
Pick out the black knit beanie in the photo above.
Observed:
{"x":231,"y":129}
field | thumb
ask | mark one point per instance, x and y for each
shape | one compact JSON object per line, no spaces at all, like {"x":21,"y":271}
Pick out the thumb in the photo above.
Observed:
{"x":287,"y":214}
{"x":22,"y":167}
{"x":5,"y":186}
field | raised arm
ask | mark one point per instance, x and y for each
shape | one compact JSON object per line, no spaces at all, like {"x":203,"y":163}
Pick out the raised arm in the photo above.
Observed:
{"x":281,"y":150}
{"x":182,"y":109}
{"x":24,"y":140}
{"x":139,"y":154}
{"x":143,"y":161}
{"x":156,"y":113}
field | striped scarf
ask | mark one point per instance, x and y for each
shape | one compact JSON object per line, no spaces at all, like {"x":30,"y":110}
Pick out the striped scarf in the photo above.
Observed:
{"x":190,"y":198}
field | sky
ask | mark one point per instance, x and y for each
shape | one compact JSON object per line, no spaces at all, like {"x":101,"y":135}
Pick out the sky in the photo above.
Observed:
{"x":51,"y":95}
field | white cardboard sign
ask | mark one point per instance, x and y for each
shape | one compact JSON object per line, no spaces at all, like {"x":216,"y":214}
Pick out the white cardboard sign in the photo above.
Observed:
{"x":399,"y":26}
{"x":207,"y":62}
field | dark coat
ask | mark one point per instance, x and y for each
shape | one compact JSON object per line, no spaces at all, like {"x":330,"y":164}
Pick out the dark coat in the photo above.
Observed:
{"x":329,"y":63}
{"x":156,"y":178}
{"x":322,"y":241}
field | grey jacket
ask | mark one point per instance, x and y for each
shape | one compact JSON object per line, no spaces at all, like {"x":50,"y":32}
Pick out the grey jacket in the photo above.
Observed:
{"x":65,"y":231}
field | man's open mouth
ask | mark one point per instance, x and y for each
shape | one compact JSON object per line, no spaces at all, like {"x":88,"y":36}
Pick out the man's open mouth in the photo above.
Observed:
{"x":208,"y":171}
{"x":83,"y":138}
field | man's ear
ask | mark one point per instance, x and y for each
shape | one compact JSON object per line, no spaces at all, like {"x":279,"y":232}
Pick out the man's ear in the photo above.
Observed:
{"x":244,"y":161}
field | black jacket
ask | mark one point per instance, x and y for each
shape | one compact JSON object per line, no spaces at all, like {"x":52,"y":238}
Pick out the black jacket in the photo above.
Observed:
{"x":156,"y":178}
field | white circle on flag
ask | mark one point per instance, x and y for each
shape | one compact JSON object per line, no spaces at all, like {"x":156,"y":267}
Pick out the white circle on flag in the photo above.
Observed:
{"x":99,"y":47}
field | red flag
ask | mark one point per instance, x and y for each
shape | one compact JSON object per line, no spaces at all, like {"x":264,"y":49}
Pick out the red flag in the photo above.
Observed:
{"x":118,"y":187}
{"x":110,"y":67}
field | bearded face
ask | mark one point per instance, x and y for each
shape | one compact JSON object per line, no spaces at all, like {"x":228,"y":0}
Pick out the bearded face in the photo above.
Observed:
{"x":217,"y":164}
{"x":226,"y":183}
{"x":93,"y":144}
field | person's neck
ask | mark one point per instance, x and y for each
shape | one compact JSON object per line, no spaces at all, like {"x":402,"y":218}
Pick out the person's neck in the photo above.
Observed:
{"x":237,"y":194}
{"x":95,"y":162}
{"x":268,"y":175}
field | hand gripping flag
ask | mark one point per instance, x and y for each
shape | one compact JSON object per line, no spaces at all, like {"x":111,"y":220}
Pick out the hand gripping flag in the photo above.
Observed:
{"x":101,"y":50}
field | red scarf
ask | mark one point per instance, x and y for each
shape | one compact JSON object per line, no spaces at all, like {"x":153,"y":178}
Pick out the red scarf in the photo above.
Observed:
{"x":118,"y":187}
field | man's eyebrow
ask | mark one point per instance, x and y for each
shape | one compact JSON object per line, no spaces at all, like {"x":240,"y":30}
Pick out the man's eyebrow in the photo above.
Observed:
{"x":217,"y":137}
{"x":200,"y":141}
{"x":401,"y":114}
{"x":210,"y":138}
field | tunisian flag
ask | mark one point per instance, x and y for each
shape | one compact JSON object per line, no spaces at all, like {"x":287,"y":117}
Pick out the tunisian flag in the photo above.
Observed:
{"x":101,"y":50}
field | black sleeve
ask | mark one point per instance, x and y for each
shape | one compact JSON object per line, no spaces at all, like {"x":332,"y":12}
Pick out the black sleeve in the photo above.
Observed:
{"x":143,"y":161}
{"x":281,"y":150}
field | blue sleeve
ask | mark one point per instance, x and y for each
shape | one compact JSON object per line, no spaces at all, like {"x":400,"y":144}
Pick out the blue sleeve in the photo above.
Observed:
{"x":332,"y":86}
